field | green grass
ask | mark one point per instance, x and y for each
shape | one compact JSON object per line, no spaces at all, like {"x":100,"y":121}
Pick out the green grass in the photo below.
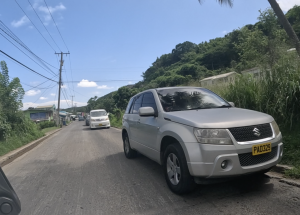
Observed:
{"x":45,"y":130}
{"x":293,"y":173}
{"x":16,"y":141}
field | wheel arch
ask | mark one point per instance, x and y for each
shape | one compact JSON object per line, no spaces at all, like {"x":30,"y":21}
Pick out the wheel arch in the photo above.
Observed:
{"x":169,"y":139}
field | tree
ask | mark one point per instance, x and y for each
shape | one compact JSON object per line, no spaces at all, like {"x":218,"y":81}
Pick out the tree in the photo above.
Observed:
{"x":282,"y":19}
{"x":11,"y":94}
{"x":286,"y":25}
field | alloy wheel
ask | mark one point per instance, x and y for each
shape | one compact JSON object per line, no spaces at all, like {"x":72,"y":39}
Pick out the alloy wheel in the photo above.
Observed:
{"x":173,"y":169}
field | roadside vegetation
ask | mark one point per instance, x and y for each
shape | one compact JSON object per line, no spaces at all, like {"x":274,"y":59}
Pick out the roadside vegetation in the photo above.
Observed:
{"x":16,"y":130}
{"x":263,"y":45}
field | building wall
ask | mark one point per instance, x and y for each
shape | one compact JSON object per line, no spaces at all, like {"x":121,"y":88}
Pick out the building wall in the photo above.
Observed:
{"x":48,"y":114}
{"x":218,"y":81}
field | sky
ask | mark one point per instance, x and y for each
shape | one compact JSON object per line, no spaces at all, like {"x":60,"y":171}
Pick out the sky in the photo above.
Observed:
{"x":111,"y":42}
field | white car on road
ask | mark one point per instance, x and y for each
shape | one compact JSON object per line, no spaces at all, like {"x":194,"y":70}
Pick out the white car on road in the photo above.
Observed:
{"x":99,"y":119}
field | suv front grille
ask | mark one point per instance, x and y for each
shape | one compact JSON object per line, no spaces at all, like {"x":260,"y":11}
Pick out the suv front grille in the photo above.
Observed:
{"x":247,"y":159}
{"x":247,"y":133}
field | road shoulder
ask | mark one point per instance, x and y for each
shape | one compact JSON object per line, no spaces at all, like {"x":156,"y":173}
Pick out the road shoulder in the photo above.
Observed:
{"x":9,"y":157}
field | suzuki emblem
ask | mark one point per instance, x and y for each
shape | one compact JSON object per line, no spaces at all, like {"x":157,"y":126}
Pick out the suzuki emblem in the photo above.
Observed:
{"x":256,"y":132}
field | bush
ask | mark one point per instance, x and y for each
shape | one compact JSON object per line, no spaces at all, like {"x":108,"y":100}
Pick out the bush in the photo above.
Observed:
{"x":276,"y":93}
{"x":47,"y":124}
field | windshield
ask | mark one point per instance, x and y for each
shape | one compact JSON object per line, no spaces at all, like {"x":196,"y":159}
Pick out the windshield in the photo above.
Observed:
{"x":180,"y":99}
{"x":98,"y":113}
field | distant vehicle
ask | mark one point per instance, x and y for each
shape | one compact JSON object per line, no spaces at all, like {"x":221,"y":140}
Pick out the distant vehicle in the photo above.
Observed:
{"x":87,"y":120}
{"x":199,"y":137}
{"x":99,"y":119}
{"x":80,"y":118}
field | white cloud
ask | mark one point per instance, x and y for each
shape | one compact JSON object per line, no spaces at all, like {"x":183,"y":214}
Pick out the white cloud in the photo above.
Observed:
{"x":43,"y":98}
{"x":224,"y":32}
{"x":24,"y":20}
{"x":288,"y":4}
{"x":52,"y":94}
{"x":32,"y":92}
{"x":104,"y":87}
{"x":86,"y":83}
{"x":64,"y":86}
{"x":130,"y":82}
{"x":47,"y":15}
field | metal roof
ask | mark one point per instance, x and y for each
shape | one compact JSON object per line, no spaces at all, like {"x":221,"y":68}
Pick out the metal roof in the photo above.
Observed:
{"x":219,"y":76}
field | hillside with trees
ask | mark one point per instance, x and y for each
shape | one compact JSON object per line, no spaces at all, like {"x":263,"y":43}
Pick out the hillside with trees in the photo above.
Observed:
{"x":260,"y":44}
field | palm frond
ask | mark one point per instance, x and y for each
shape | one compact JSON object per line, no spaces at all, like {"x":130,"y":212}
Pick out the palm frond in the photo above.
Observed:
{"x":229,"y":2}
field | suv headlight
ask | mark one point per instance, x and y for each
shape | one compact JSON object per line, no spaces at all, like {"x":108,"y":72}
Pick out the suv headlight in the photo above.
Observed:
{"x":93,"y":120}
{"x":275,"y":128}
{"x":212,"y":136}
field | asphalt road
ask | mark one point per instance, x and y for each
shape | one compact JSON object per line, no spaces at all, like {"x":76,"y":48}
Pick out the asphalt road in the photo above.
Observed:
{"x":83,"y":172}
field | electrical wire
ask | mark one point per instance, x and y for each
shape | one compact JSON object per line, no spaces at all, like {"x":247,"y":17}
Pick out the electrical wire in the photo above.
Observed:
{"x":101,"y":81}
{"x":63,"y":93}
{"x":26,"y":54}
{"x":43,"y":24}
{"x":35,"y":26}
{"x":26,"y":66}
{"x":39,"y":84}
{"x":71,"y":73}
{"x":56,"y":26}
{"x":18,"y":40}
{"x":44,"y":92}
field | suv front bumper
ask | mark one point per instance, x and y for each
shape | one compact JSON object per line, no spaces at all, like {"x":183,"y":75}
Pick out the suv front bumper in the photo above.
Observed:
{"x":99,"y":124}
{"x":212,"y":168}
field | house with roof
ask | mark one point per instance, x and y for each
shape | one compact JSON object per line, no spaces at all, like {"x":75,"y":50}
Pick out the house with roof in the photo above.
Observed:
{"x":254,"y":72}
{"x":222,"y":79}
{"x":41,"y":113}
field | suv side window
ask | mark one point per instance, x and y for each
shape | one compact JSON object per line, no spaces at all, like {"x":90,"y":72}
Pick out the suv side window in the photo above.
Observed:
{"x":129,"y":105}
{"x":149,"y":101}
{"x":137,"y":104}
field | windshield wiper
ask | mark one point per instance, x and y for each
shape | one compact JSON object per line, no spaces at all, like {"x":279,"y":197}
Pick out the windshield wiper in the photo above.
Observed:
{"x":197,"y":108}
{"x":224,"y":106}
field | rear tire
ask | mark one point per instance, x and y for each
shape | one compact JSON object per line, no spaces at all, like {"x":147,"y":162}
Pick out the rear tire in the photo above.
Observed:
{"x":176,"y":170}
{"x":128,"y":151}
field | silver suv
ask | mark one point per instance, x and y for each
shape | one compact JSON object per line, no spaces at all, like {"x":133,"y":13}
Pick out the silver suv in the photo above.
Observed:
{"x":199,"y":137}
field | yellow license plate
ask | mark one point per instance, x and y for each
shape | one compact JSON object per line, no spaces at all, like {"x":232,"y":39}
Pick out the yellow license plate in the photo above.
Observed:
{"x":100,"y":124}
{"x":261,"y":148}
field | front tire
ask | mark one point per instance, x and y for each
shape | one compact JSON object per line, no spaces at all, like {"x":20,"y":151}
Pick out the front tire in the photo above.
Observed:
{"x":176,"y":170}
{"x":128,"y":151}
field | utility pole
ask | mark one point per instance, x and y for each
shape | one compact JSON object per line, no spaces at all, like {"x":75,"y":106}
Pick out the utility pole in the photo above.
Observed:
{"x":59,"y":85}
{"x":72,"y":104}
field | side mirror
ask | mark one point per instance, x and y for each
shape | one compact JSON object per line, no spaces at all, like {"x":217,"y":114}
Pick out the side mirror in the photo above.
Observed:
{"x":9,"y":201}
{"x":107,"y":114}
{"x":232,"y":104}
{"x":146,"y":111}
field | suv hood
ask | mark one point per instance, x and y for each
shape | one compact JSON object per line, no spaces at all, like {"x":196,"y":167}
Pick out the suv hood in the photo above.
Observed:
{"x":219,"y":117}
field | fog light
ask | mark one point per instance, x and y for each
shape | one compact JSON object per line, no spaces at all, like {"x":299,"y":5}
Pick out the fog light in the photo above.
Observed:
{"x":224,"y":164}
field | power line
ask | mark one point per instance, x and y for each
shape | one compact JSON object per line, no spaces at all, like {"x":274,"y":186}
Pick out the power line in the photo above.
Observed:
{"x":26,"y":66}
{"x":71,"y":73}
{"x":101,"y":81}
{"x":56,"y":26}
{"x":63,"y":92}
{"x":44,"y":92}
{"x":40,"y":84}
{"x":34,"y":25}
{"x":26,"y":54}
{"x":43,"y":24}
{"x":18,"y":40}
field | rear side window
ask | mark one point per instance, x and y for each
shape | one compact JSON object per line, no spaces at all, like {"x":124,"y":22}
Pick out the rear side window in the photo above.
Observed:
{"x":129,"y":105}
{"x":137,"y":104}
{"x":149,"y":101}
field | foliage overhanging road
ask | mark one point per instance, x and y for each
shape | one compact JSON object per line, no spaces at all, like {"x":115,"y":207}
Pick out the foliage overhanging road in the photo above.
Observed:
{"x":79,"y":171}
